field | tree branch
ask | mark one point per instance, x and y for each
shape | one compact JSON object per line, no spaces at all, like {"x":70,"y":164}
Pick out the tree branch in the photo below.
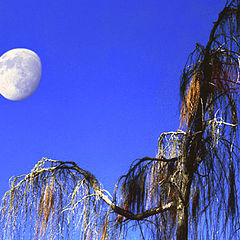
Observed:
{"x":93,"y":183}
{"x":100,"y":193}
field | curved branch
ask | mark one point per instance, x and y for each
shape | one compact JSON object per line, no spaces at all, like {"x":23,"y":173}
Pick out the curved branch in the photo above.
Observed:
{"x":100,"y":193}
{"x":221,"y":16}
{"x":144,"y":214}
{"x":56,"y":165}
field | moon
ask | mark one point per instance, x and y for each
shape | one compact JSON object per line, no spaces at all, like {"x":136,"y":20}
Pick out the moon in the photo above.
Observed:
{"x":20,"y":73}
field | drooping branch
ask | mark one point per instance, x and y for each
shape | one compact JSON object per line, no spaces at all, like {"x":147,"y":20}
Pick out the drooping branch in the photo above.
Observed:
{"x":44,"y":188}
{"x":101,"y":193}
{"x":222,"y":15}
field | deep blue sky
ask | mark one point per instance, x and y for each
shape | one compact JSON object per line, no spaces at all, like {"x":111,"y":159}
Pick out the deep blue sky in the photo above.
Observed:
{"x":110,"y":80}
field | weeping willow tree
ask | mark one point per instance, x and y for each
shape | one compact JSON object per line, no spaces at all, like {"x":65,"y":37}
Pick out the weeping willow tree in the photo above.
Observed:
{"x":188,"y":191}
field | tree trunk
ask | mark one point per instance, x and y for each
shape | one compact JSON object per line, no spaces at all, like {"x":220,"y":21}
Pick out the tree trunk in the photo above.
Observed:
{"x":183,"y":204}
{"x":182,"y":222}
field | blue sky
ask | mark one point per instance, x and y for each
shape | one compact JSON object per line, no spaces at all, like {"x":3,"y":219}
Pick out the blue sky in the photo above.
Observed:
{"x":110,"y":80}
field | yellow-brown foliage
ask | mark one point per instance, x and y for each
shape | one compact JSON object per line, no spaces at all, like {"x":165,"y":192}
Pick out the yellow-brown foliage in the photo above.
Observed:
{"x":46,"y":205}
{"x":191,"y":101}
